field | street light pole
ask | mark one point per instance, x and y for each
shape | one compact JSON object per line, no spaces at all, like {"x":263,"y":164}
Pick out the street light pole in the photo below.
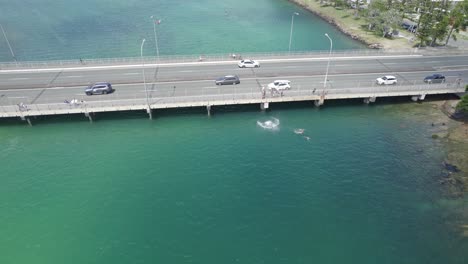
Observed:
{"x":328,"y":64}
{"x":8,"y":42}
{"x":292,"y":24}
{"x":144,"y":78}
{"x":155,"y":37}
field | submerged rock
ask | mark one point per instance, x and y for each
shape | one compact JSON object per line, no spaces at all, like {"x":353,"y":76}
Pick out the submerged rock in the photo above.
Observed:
{"x":451,"y":167}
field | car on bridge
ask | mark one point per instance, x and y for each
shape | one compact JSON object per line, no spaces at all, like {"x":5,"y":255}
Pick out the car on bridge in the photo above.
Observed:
{"x":228,"y":79}
{"x":99,"y":88}
{"x":280,"y":85}
{"x":435,"y":78}
{"x":385,"y":80}
{"x":248,"y":64}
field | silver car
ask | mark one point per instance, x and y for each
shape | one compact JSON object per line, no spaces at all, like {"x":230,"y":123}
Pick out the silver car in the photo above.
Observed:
{"x":99,"y":88}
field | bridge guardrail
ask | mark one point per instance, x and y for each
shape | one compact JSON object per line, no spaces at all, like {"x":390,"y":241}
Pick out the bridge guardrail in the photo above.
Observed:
{"x":19,"y":109}
{"x":84,"y":62}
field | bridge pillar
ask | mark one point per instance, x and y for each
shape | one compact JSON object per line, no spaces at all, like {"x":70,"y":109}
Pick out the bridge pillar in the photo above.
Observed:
{"x":27,"y":120}
{"x":319,"y":102}
{"x":420,"y":97}
{"x":208,"y":110}
{"x":148,"y":110}
{"x":264,"y":106}
{"x":89,"y":116}
{"x":370,"y":100}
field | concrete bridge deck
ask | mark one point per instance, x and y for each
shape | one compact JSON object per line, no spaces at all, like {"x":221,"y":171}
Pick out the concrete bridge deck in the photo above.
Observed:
{"x":369,"y":94}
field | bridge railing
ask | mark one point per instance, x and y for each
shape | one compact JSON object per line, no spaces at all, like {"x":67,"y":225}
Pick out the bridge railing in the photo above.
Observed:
{"x":87,"y":62}
{"x":231,"y":97}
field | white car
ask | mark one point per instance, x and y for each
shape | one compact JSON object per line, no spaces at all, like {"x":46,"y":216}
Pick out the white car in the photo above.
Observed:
{"x":386,"y":80}
{"x":280,"y":85}
{"x":248,"y":64}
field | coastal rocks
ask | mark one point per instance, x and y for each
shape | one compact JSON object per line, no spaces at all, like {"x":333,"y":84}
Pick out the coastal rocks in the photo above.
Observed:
{"x":450,"y":167}
{"x":375,"y":46}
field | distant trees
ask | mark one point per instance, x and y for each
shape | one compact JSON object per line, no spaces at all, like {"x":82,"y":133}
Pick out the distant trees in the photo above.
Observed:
{"x":462,"y":106}
{"x":457,"y":19}
{"x":437,"y":19}
{"x":381,"y":18}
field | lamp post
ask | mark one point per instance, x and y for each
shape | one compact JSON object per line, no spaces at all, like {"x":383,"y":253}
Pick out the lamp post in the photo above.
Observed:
{"x":155,"y":37}
{"x":8,"y":42}
{"x":328,"y":64}
{"x":144,"y":78}
{"x":292,"y":24}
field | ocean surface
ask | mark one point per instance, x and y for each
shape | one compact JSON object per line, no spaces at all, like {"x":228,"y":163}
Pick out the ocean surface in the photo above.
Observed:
{"x":359,"y":185}
{"x":72,"y":29}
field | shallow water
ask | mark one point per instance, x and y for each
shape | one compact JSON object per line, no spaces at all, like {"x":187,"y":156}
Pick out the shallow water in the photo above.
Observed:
{"x":44,"y":30}
{"x":186,"y":188}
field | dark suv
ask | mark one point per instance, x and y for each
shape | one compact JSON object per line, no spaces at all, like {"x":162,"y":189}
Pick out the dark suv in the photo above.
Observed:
{"x":435,"y":78}
{"x":99,"y":88}
{"x":228,"y":79}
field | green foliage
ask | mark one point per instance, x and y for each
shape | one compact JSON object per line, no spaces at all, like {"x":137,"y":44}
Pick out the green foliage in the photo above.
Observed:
{"x":381,"y":18}
{"x":466,"y":88}
{"x":463,"y":104}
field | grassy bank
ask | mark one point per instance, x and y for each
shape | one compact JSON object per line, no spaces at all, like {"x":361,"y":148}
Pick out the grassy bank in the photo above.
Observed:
{"x":354,"y":26}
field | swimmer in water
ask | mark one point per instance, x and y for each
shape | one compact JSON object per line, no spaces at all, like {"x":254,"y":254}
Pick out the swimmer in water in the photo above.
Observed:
{"x":299,"y":131}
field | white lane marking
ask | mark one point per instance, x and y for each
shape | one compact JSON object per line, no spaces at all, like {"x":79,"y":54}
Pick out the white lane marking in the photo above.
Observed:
{"x":451,"y":66}
{"x":18,"y":97}
{"x":131,"y":73}
{"x":17,"y":79}
{"x":73,"y":76}
{"x":186,"y":71}
{"x":128,"y":66}
{"x":292,"y":67}
{"x":210,"y":87}
{"x":209,"y":80}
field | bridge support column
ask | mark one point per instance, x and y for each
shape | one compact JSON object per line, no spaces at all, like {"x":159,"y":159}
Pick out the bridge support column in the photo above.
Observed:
{"x":264,"y":106}
{"x":89,"y":116}
{"x":370,"y":100}
{"x":319,"y":102}
{"x":420,"y":97}
{"x":150,"y":113}
{"x":208,"y":110}
{"x":27,"y":120}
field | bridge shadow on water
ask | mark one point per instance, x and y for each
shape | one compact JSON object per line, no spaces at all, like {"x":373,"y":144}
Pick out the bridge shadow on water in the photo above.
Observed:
{"x":215,"y":110}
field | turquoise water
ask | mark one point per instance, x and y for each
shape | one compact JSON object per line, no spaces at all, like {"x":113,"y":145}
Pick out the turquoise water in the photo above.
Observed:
{"x":187,"y":188}
{"x":49,"y":29}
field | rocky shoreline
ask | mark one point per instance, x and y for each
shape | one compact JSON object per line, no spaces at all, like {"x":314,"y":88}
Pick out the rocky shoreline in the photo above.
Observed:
{"x":358,"y":35}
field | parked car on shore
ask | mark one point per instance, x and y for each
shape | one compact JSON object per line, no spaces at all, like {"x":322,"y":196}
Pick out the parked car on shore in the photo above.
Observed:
{"x":386,"y":80}
{"x":435,"y":78}
{"x":99,"y":88}
{"x":228,"y":79}
{"x":248,"y":64}
{"x":280,"y":85}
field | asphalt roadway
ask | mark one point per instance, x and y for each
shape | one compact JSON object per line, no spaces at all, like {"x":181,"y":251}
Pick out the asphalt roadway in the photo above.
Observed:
{"x":187,"y":79}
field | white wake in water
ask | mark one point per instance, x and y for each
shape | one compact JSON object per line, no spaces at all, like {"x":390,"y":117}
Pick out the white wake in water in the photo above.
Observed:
{"x":272,"y":124}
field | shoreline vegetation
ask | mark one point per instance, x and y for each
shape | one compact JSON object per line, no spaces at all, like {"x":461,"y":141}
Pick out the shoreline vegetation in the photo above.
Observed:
{"x":450,"y":131}
{"x":349,"y":24}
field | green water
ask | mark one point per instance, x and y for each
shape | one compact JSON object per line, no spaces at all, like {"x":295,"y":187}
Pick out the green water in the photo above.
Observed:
{"x":50,"y":29}
{"x":186,"y":188}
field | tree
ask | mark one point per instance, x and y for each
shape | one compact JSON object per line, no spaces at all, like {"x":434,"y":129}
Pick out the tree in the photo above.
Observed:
{"x":462,"y":106}
{"x":382,"y":18}
{"x":457,"y":19}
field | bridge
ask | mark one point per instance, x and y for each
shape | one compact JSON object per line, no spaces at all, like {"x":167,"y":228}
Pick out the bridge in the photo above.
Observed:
{"x":30,"y":89}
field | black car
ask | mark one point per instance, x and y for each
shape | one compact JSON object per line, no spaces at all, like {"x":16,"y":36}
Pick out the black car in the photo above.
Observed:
{"x":435,"y":78}
{"x":99,"y":88}
{"x":228,"y":79}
